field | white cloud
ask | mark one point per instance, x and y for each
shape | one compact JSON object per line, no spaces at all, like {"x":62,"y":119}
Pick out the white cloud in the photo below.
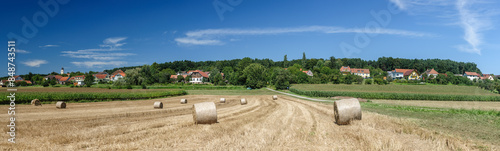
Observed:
{"x":22,"y":51}
{"x":113,"y":42}
{"x":96,"y":54}
{"x":48,"y":46}
{"x":35,"y":63}
{"x":194,"y":41}
{"x":473,"y":23}
{"x":212,"y":36}
{"x":107,"y":55}
{"x":99,"y":64}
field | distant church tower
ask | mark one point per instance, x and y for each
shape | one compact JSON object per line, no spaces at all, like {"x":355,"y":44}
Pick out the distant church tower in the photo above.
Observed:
{"x":62,"y":70}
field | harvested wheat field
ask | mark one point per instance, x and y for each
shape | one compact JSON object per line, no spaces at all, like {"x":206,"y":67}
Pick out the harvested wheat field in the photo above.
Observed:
{"x":262,"y":124}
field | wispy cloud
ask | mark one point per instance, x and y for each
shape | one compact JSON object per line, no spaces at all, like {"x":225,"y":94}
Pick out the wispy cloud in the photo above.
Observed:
{"x":113,"y":42}
{"x":214,"y":36}
{"x":474,"y":17}
{"x":473,"y":23}
{"x":99,"y":64}
{"x":194,"y":41}
{"x":106,"y":55}
{"x":96,"y":54}
{"x":48,"y":46}
{"x":35,"y":63}
{"x":22,"y":51}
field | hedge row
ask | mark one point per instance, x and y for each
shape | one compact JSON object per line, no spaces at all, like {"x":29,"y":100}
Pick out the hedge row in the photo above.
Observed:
{"x":26,"y":97}
{"x":398,"y":96}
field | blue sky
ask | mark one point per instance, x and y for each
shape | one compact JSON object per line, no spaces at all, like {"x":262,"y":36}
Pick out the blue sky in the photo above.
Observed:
{"x":98,"y":35}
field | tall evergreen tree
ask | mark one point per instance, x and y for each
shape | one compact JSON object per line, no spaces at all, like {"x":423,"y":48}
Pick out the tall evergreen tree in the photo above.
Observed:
{"x":285,"y":62}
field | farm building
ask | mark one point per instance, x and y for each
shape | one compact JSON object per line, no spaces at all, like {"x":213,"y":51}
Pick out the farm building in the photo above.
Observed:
{"x":471,"y":75}
{"x":365,"y":73}
{"x":412,"y":74}
{"x":430,"y":72}
{"x":101,"y":77}
{"x":118,"y":74}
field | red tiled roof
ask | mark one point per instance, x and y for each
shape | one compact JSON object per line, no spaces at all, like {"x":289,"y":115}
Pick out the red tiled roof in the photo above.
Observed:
{"x":118,"y":72}
{"x":64,"y":79}
{"x":355,"y":70}
{"x":402,"y":70}
{"x":472,"y":73}
{"x":204,"y":74}
{"x":408,"y":72}
{"x":431,"y":71}
{"x":100,"y":76}
{"x":83,"y":76}
{"x":345,"y":69}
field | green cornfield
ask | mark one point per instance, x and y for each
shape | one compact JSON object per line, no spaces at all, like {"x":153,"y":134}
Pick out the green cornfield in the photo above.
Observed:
{"x":398,"y":96}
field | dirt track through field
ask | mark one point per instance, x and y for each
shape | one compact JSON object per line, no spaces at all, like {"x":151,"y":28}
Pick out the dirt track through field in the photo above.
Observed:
{"x":262,"y":124}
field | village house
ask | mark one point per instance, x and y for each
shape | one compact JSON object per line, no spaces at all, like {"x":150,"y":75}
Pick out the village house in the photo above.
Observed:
{"x":471,"y":75}
{"x":308,"y":72}
{"x":175,"y":76}
{"x":430,"y":72}
{"x":4,"y":83}
{"x":118,"y":74}
{"x":57,"y":77}
{"x":64,"y":80}
{"x":412,"y":74}
{"x":101,"y":77}
{"x":365,"y":73}
{"x":197,"y":76}
{"x":345,"y":70}
{"x":487,"y":77}
{"x":79,"y":80}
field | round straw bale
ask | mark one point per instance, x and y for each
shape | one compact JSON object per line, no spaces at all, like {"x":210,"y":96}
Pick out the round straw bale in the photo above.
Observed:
{"x":158,"y":105}
{"x":204,"y":113}
{"x":243,"y":101}
{"x":346,"y":110}
{"x":275,"y":97}
{"x":222,"y":100}
{"x":184,"y":101}
{"x":36,"y":102}
{"x":61,"y":104}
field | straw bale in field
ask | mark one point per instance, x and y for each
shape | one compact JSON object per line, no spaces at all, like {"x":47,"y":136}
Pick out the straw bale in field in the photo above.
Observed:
{"x":346,"y":110}
{"x":184,"y":101}
{"x":204,"y":113}
{"x":61,"y":104}
{"x":158,"y":105}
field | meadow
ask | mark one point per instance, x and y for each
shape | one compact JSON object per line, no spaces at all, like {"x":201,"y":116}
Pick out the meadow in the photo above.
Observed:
{"x":397,"y":92}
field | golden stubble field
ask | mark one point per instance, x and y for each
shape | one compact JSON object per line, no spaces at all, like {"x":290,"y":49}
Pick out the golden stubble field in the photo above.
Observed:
{"x":263,"y":124}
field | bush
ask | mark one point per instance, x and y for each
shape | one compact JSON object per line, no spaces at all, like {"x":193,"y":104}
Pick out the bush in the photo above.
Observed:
{"x":144,"y":86}
{"x":368,"y":81}
{"x":129,"y":87}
